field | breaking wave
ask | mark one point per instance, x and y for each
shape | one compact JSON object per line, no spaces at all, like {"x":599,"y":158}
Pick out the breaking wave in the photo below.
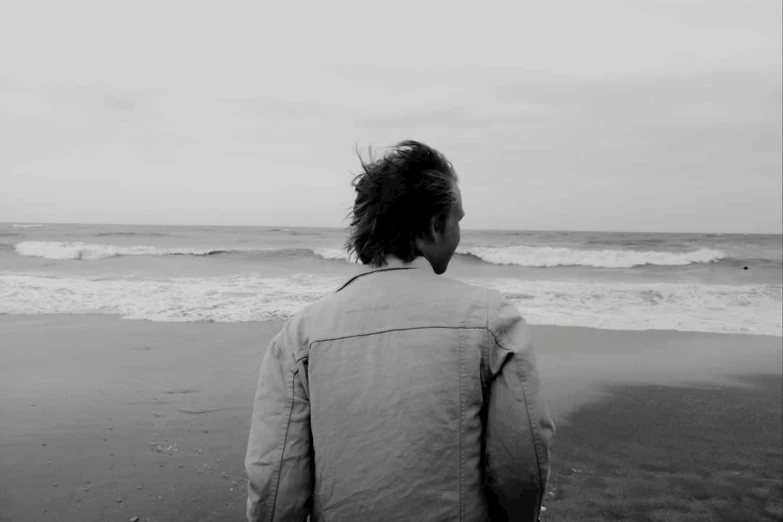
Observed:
{"x":542,"y":257}
{"x":58,"y":250}
{"x":132,"y":234}
{"x":745,"y":309}
{"x":63,"y":250}
{"x":546,"y":257}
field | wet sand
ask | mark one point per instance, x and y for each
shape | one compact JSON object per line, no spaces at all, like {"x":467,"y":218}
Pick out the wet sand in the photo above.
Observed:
{"x":706,"y":453}
{"x":106,"y":419}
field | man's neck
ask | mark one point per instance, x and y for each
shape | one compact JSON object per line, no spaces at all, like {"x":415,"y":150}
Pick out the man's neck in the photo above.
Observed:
{"x":419,"y":262}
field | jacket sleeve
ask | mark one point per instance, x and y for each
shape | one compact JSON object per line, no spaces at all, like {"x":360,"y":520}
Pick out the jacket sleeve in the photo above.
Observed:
{"x":279,"y":460}
{"x":518,"y":429}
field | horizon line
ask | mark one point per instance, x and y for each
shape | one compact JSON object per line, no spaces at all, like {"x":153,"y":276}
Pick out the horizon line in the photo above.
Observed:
{"x":11,"y":223}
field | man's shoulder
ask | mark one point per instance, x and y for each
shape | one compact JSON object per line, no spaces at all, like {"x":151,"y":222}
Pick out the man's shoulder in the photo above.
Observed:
{"x":506,"y":323}
{"x":423,"y":299}
{"x":493,"y":300}
{"x":463,"y":289}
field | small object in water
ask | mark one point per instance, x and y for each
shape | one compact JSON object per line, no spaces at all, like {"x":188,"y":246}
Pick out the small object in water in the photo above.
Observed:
{"x":744,"y":268}
{"x":133,"y":519}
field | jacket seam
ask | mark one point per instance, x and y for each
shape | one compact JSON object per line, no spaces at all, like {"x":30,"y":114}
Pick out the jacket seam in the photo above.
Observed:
{"x":532,"y":419}
{"x":321,"y":512}
{"x":283,"y":438}
{"x":393,"y":330}
{"x":485,"y":349}
{"x":461,"y":426}
{"x":531,"y":416}
{"x":485,"y":378}
{"x":354,"y":278}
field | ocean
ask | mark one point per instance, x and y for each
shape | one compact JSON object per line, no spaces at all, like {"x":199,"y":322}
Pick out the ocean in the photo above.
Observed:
{"x":629,"y":281}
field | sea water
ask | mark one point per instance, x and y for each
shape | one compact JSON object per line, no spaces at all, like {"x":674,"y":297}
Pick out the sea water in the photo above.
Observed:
{"x":631,"y":281}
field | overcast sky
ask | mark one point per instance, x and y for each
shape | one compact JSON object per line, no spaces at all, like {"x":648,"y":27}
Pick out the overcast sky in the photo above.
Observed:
{"x":576,"y":115}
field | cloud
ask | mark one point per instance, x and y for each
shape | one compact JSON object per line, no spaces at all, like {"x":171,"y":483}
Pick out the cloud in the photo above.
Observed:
{"x":557,"y":114}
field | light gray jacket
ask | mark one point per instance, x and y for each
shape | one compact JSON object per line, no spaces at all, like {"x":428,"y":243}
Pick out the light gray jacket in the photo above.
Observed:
{"x":404,"y":396}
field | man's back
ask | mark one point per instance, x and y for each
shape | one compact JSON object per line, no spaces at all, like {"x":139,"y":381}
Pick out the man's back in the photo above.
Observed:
{"x":418,"y":396}
{"x":396,"y":396}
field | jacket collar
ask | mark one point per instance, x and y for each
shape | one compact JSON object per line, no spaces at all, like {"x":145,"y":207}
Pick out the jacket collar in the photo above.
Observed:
{"x":393,"y":263}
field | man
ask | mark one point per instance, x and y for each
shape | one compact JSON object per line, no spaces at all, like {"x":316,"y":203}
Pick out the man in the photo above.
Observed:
{"x":404,"y":396}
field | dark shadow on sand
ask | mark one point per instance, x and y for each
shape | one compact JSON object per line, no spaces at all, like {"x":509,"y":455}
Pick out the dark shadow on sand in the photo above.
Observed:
{"x":664,"y":453}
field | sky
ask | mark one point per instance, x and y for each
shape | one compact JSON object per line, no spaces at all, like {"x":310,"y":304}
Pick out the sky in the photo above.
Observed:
{"x":656,"y":116}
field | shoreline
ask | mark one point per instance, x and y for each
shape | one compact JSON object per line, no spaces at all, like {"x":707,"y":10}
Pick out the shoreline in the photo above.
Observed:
{"x":5,"y":317}
{"x":672,"y":453}
{"x":156,"y":415}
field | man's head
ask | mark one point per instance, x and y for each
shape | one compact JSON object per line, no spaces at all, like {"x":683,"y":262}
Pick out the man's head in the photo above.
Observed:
{"x":407,"y":204}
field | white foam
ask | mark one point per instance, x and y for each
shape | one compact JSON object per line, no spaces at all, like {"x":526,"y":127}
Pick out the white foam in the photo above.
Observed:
{"x":738,"y":309}
{"x":748,"y":309}
{"x":66,"y":250}
{"x":333,"y":254}
{"x":60,"y":250}
{"x":551,"y":257}
{"x":517,"y":255}
{"x":26,"y":226}
{"x":224,"y":299}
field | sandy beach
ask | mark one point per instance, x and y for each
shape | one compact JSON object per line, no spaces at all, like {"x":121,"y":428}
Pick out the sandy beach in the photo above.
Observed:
{"x":109,"y":419}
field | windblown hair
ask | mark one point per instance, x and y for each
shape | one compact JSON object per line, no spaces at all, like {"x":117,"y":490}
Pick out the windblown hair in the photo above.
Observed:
{"x":397,"y":197}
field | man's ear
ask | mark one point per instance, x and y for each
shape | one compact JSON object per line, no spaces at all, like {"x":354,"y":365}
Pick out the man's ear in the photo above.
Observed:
{"x":438,"y":226}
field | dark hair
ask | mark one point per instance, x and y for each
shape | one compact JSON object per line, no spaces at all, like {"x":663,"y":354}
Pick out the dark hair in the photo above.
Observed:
{"x":396,"y":198}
